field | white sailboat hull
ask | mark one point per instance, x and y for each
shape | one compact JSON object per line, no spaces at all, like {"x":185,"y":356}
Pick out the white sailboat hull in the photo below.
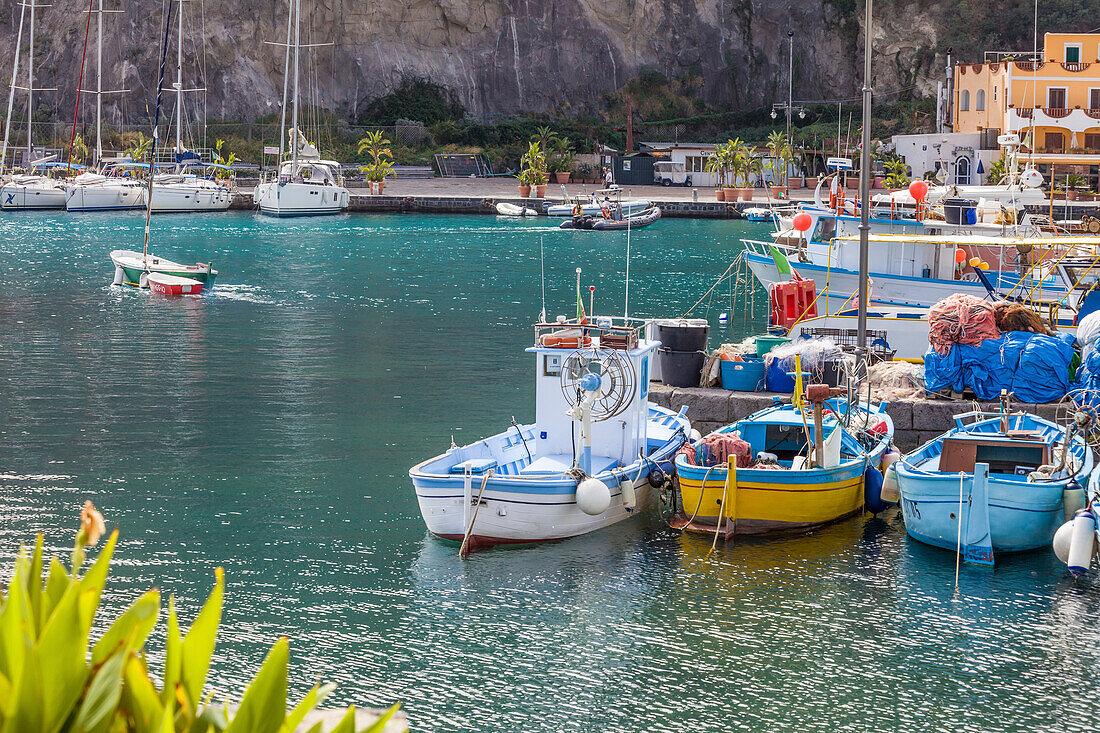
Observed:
{"x":106,"y":197}
{"x":199,"y":195}
{"x":300,"y":199}
{"x":32,"y":196}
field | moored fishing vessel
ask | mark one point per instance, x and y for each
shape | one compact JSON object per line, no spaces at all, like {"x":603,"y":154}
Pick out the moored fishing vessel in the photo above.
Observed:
{"x":134,"y":268}
{"x":774,"y":471}
{"x":589,"y":460}
{"x":996,"y":482}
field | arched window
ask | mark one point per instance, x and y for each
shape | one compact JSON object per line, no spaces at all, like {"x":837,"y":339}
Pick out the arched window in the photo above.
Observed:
{"x":964,"y":100}
{"x":979,"y":100}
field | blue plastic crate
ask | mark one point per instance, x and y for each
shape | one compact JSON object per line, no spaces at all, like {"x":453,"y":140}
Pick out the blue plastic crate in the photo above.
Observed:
{"x":743,"y":376}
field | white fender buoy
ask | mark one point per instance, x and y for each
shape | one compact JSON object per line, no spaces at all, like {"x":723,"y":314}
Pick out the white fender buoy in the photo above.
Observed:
{"x":1073,"y":500}
{"x":695,"y":435}
{"x":890,"y":491}
{"x":630,"y":498}
{"x":120,"y":275}
{"x":143,"y":280}
{"x":1061,"y":541}
{"x":1082,"y":543}
{"x":593,"y":496}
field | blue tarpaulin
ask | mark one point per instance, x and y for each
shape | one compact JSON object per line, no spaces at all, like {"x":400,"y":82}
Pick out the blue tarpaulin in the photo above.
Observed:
{"x":1043,"y":372}
{"x":1033,"y":366}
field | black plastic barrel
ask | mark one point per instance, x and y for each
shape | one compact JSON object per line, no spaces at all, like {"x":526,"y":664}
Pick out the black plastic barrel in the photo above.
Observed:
{"x":689,"y":334}
{"x":955,"y":210}
{"x":681,"y":368}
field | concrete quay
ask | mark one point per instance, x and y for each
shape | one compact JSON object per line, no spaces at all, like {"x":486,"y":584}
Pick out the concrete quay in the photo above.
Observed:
{"x":915,"y":421}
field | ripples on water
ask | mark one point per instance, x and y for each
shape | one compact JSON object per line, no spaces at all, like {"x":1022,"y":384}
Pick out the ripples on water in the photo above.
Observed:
{"x":268,"y":428}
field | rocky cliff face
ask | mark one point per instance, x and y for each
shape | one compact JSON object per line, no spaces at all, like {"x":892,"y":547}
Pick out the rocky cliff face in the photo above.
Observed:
{"x":499,"y":56}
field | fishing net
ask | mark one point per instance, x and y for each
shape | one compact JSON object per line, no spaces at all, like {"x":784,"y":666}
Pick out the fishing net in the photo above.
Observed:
{"x":960,"y":319}
{"x":896,"y":380}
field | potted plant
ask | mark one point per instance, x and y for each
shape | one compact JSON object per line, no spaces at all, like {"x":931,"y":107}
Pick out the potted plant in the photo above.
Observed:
{"x":792,"y":157}
{"x":380,"y":163}
{"x":561,"y":158}
{"x":753,"y":170}
{"x":533,"y":170}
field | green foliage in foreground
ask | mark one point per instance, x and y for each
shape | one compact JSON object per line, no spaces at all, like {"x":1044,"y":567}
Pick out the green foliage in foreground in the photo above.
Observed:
{"x":55,"y":678}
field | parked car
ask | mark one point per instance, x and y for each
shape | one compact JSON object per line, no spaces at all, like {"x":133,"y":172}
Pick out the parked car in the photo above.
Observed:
{"x":670,"y":173}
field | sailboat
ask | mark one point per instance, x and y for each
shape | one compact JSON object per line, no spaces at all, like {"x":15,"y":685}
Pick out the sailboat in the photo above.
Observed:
{"x":184,"y":189}
{"x":305,"y":185}
{"x":34,"y":188}
{"x":106,"y":189}
{"x":135,"y":268}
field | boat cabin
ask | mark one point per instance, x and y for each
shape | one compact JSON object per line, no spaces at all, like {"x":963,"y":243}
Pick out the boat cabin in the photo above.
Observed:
{"x":319,"y":172}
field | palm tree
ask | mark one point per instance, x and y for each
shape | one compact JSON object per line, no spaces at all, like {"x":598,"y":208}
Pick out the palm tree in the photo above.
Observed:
{"x":718,"y":164}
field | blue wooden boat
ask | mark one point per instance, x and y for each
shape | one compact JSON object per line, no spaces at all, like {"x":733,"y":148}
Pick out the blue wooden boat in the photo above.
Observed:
{"x":591,"y":458}
{"x":996,"y":482}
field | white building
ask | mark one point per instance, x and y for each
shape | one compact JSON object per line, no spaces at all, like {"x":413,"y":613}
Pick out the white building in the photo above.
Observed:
{"x":964,"y":156}
{"x":694,"y":157}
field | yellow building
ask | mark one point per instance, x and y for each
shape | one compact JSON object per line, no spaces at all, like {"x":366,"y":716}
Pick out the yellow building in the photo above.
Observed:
{"x":1053,"y":101}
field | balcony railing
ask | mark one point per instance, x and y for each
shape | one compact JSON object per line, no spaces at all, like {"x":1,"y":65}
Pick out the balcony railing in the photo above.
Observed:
{"x":1076,"y":66}
{"x":1029,"y":65}
{"x":1057,"y":112}
{"x":1025,"y":112}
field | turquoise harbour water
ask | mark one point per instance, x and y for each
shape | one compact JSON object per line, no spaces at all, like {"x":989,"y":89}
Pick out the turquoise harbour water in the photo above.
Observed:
{"x":269,"y":429}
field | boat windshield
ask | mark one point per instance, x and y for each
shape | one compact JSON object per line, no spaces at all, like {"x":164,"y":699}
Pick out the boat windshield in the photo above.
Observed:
{"x":308,"y":172}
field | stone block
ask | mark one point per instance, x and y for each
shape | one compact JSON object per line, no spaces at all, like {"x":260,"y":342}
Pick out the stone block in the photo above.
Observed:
{"x":706,"y":427}
{"x":660,"y":394}
{"x":901,"y":412}
{"x":704,"y":404}
{"x":743,"y":404}
{"x":935,"y":415}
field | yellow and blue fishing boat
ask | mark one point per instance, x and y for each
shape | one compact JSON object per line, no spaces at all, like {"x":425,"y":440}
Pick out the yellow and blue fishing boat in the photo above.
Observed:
{"x":801,"y":466}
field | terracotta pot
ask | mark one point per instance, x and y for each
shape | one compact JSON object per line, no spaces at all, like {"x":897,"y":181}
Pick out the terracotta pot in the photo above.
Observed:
{"x":381,"y":185}
{"x":561,"y":177}
{"x":731,"y":193}
{"x":719,"y":194}
{"x":779,"y":192}
{"x":811,"y":182}
{"x":1072,"y":195}
{"x":746,"y":194}
{"x":794,"y":183}
{"x":524,"y":192}
{"x":540,"y":191}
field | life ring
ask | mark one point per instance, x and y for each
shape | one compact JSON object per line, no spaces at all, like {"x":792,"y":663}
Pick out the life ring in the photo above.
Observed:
{"x":568,"y":339}
{"x":578,"y":210}
{"x":606,"y":211}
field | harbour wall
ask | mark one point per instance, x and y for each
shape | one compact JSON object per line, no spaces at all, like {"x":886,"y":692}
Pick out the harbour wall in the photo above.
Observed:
{"x":915,"y":421}
{"x":364,"y":203}
{"x":436,"y":203}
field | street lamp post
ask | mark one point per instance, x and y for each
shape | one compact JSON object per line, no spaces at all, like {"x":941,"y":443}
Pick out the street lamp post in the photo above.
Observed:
{"x":790,"y":78}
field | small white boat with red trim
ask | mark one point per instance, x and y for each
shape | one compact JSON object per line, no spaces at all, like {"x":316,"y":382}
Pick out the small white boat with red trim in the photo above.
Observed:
{"x":594,"y":455}
{"x":165,"y":284}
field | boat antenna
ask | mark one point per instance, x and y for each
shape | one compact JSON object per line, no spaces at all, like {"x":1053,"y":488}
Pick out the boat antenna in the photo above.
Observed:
{"x":11,"y":92}
{"x":542,"y":270}
{"x":156,"y":135}
{"x":626,"y":297}
{"x":865,"y":181}
{"x":580,"y":303}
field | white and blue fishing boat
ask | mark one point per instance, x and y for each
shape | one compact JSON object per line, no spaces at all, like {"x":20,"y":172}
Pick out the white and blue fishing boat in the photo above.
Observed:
{"x":996,"y":482}
{"x":591,"y":458}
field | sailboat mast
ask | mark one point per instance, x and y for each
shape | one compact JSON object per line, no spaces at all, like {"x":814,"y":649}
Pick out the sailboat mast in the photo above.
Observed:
{"x":286,"y":84}
{"x":156,"y":137}
{"x":30,"y":89}
{"x":179,"y":83}
{"x":865,"y":182}
{"x":294,"y":115}
{"x":11,"y":92}
{"x":99,"y":87}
